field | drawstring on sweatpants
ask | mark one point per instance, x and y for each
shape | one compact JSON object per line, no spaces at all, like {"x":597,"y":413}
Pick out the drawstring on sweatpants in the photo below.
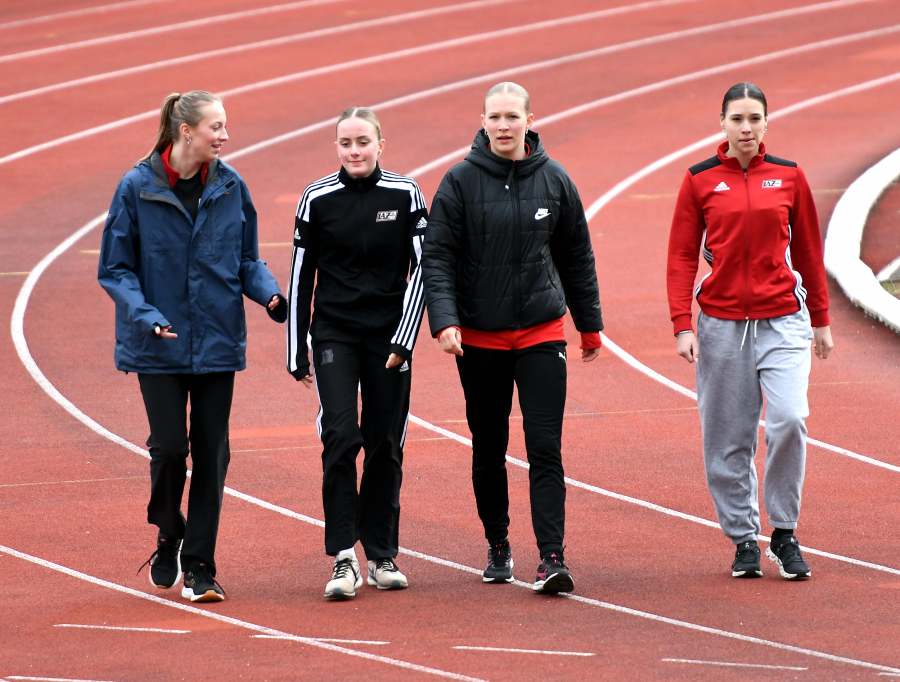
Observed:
{"x":746,"y":327}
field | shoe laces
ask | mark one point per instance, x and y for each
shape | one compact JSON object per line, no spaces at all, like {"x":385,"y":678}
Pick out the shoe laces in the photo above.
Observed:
{"x":746,"y":553}
{"x":163,"y":550}
{"x":342,"y":568}
{"x":499,"y":554}
{"x":386,"y":564}
{"x":789,"y":552}
{"x":555,"y":559}
{"x":202,"y":574}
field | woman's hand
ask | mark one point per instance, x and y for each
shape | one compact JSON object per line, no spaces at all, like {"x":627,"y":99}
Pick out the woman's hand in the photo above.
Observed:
{"x":164,"y":333}
{"x":307,"y":380}
{"x":274,"y":302}
{"x":822,"y":343}
{"x":589,"y":354}
{"x":451,"y":341}
{"x":687,"y":346}
{"x":393,"y":361}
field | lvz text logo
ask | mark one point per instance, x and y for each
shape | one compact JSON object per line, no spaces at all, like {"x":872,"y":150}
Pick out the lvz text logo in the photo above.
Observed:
{"x":385,"y":215}
{"x":771,"y":183}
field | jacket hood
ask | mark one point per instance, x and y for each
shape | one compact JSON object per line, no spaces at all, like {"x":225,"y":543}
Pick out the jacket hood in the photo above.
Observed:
{"x":482,"y":156}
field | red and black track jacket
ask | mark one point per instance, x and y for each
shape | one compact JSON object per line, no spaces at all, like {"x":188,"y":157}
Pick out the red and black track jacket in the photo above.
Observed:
{"x":758,"y":230}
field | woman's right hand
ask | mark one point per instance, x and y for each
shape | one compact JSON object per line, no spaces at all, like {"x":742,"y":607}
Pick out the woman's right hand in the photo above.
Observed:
{"x":687,"y":346}
{"x":307,"y":380}
{"x":451,"y":341}
{"x":164,"y":333}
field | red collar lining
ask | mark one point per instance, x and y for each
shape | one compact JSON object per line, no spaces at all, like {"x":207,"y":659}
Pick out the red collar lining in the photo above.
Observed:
{"x":173,"y":175}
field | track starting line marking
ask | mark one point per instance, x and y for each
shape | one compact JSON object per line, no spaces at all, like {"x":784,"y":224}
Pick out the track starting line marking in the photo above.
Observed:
{"x":525,"y":651}
{"x":124,"y":629}
{"x":737,"y":665}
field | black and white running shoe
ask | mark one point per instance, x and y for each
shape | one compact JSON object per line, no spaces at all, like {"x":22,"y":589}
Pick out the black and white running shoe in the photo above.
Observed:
{"x":500,"y":563}
{"x":200,"y":585}
{"x":165,"y":563}
{"x":746,"y":561}
{"x":553,"y":575}
{"x":789,"y":559}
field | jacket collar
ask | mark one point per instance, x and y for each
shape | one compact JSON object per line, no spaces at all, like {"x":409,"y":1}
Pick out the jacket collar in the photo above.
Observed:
{"x":732,"y":162}
{"x":482,"y":156}
{"x":359,"y":183}
{"x":163,"y":179}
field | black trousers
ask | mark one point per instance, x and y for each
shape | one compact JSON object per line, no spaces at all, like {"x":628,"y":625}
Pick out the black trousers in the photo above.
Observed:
{"x":487,"y":377}
{"x":346,"y":369}
{"x":166,"y":398}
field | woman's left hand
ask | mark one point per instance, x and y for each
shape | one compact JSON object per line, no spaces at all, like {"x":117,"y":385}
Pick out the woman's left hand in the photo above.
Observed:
{"x":589,"y":354}
{"x":393,"y":361}
{"x":822,"y":343}
{"x":274,"y":303}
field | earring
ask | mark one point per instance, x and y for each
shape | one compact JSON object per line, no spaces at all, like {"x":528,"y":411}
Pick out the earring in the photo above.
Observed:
{"x":189,"y":140}
{"x":765,"y":130}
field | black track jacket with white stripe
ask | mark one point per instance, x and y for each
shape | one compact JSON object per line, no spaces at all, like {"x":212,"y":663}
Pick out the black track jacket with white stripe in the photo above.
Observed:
{"x":363,"y":236}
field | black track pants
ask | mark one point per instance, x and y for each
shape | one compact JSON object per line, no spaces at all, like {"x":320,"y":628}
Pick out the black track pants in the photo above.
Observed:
{"x":343,"y":371}
{"x":166,"y":398}
{"x":487,"y":378}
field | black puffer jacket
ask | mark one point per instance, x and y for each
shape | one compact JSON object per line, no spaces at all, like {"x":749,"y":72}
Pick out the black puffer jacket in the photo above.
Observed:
{"x":507,"y":245}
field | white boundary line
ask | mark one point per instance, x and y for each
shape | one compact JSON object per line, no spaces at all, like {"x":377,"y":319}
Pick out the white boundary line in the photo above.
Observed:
{"x":468,"y":569}
{"x":524,"y":651}
{"x":78,"y":12}
{"x":527,"y":68}
{"x":311,"y":641}
{"x":324,"y":639}
{"x":888,"y":271}
{"x":343,"y":28}
{"x":844,"y":240}
{"x":732,"y":665}
{"x":124,"y":629}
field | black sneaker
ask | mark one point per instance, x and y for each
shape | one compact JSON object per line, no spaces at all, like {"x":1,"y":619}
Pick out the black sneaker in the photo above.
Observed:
{"x":500,"y":563}
{"x":746,"y":561}
{"x":553,"y":575}
{"x":200,"y":585}
{"x":789,"y":559}
{"x":165,"y":563}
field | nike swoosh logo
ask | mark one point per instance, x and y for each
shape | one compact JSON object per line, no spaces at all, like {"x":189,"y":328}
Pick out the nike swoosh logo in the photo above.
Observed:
{"x":541,"y":213}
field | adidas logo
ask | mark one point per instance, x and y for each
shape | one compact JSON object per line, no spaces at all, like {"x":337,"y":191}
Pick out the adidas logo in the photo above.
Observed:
{"x":405,"y":366}
{"x":721,"y":187}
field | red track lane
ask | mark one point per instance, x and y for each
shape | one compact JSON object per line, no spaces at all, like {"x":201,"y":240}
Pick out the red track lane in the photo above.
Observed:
{"x":625,"y":432}
{"x":881,"y":240}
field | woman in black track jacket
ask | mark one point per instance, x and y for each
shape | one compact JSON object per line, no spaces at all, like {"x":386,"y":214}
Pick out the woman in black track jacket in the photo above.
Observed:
{"x":361,"y":230}
{"x":507,"y":248}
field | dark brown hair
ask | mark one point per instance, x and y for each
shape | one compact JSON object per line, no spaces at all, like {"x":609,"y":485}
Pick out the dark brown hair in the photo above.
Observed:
{"x":744,"y":91}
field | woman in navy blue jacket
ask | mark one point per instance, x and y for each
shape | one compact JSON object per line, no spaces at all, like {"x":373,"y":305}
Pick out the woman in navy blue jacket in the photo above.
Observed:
{"x":179,"y":252}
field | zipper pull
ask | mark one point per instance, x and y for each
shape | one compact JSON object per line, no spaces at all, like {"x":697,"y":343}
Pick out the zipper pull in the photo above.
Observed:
{"x":745,"y":174}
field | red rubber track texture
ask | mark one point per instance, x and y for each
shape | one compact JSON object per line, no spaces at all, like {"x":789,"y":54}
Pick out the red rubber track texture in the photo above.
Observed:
{"x":624,"y":431}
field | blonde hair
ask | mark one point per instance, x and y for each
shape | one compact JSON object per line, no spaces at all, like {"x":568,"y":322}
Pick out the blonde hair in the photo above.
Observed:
{"x":508,"y":87}
{"x":177,"y":109}
{"x":365,"y":114}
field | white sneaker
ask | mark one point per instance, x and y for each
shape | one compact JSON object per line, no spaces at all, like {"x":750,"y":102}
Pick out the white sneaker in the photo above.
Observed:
{"x":385,"y":575}
{"x":345,"y":580}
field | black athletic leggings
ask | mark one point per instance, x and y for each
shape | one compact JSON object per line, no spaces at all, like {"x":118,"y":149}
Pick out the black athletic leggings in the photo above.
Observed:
{"x":166,"y":398}
{"x":487,"y":378}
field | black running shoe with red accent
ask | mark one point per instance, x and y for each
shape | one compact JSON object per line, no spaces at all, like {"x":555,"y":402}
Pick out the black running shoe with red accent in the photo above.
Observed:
{"x":165,"y":565}
{"x":789,"y":559}
{"x":500,"y":563}
{"x":200,"y":585}
{"x":553,"y":575}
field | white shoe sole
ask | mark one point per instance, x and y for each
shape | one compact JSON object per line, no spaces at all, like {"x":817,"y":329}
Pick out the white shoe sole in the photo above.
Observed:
{"x":177,"y":579}
{"x":338,"y":594}
{"x":395,"y":584}
{"x":500,"y":581}
{"x":785,"y":574}
{"x":209,"y":595}
{"x":554,"y":584}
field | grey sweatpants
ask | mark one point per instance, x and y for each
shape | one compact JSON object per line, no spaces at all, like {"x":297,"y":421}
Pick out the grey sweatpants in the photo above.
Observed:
{"x":731,"y":382}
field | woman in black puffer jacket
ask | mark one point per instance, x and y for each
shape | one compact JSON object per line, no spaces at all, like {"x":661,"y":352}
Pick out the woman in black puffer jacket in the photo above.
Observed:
{"x":506,"y":249}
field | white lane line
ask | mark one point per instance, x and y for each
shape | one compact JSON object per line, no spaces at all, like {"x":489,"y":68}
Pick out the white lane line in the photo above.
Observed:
{"x":311,"y":641}
{"x":888,"y":271}
{"x":124,"y":629}
{"x":323,"y":639}
{"x":157,"y":30}
{"x":50,"y":679}
{"x":733,"y":665}
{"x":524,"y":651}
{"x":101,"y":9}
{"x":528,"y":68}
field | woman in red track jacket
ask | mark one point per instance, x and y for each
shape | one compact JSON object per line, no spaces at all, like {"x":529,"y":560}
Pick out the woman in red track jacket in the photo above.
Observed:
{"x":753,"y":217}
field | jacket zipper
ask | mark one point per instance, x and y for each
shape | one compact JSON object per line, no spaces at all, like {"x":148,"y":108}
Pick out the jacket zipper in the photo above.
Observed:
{"x":517,"y":256}
{"x":747,"y":258}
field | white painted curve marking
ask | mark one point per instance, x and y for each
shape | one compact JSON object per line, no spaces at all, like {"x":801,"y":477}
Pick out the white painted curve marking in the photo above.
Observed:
{"x":17,"y":325}
{"x":101,"y":9}
{"x":528,"y":68}
{"x":732,"y":665}
{"x":345,"y":28}
{"x":118,"y":628}
{"x":311,"y":641}
{"x":524,"y":651}
{"x":843,"y":243}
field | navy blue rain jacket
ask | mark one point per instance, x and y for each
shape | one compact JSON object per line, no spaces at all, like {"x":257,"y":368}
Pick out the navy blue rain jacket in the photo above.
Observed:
{"x":162,"y":268}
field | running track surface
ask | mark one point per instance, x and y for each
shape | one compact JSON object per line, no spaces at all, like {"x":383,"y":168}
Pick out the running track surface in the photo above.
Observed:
{"x":71,"y":497}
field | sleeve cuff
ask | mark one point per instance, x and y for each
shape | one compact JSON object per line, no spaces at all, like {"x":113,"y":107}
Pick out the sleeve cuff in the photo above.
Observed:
{"x":300,"y":372}
{"x":452,"y":326}
{"x":402,"y":351}
{"x":280,"y":312}
{"x":682,"y":323}
{"x":590,"y":340}
{"x":819,"y":318}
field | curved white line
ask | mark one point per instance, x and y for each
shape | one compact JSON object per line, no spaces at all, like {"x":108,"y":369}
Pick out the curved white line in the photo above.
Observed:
{"x":102,"y":9}
{"x":843,"y":243}
{"x":17,"y":326}
{"x":456,"y":43}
